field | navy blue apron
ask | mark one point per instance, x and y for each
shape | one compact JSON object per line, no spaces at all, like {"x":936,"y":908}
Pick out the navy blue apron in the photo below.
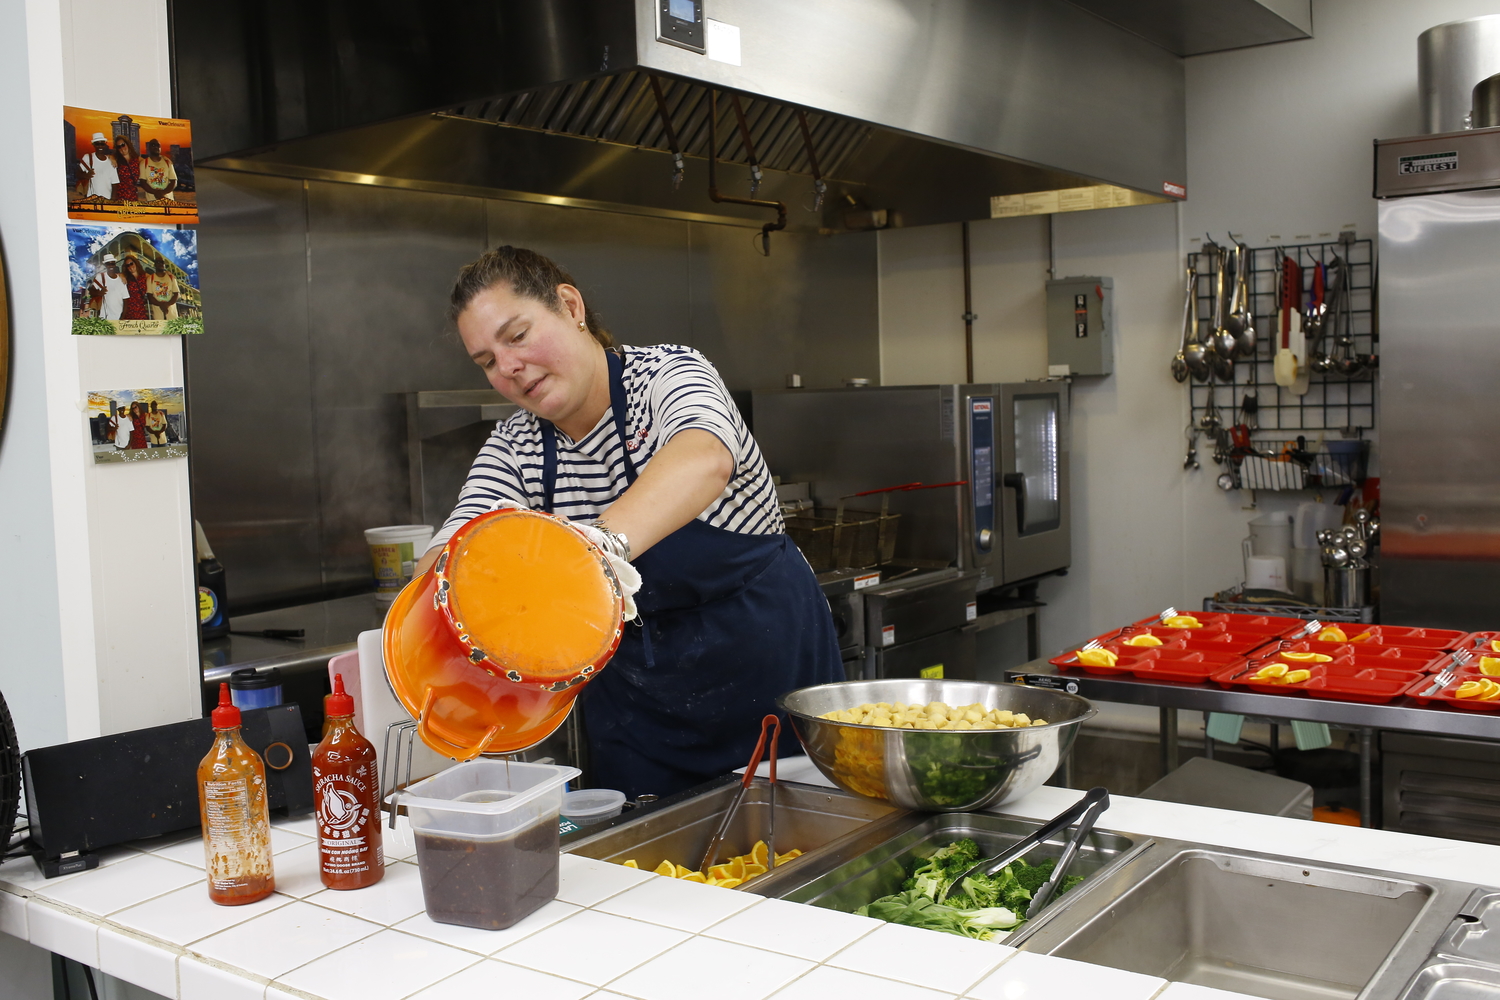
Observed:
{"x":727,"y":623}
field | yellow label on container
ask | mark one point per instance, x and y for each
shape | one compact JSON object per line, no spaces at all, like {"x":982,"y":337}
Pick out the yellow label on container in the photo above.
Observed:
{"x":932,"y":673}
{"x":393,"y":566}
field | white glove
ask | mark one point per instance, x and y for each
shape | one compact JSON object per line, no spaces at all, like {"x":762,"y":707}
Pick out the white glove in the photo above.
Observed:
{"x":628,"y":575}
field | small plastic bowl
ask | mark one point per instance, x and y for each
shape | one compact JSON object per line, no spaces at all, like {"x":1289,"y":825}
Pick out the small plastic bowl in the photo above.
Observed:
{"x":592,"y":805}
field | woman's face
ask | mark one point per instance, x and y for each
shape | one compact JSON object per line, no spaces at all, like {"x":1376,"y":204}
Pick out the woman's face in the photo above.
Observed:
{"x":538,"y":359}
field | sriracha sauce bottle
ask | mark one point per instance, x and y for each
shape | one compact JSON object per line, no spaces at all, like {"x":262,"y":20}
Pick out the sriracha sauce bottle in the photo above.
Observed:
{"x":346,"y":789}
{"x":233,"y":807}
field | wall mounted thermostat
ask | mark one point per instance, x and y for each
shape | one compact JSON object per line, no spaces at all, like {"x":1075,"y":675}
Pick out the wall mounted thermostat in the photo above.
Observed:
{"x":680,"y":22}
{"x":1080,"y":326}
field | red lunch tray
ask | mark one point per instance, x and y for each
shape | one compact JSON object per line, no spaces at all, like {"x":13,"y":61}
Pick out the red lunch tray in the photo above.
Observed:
{"x":1446,"y":696}
{"x":1337,"y":681}
{"x":1164,"y":663}
{"x":1223,"y":621}
{"x":1367,"y":654}
{"x":1398,"y":635}
{"x":1213,"y":640}
{"x":1480,"y":641}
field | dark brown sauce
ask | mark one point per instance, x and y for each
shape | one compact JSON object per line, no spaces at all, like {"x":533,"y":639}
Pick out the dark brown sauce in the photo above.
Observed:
{"x":489,"y":883}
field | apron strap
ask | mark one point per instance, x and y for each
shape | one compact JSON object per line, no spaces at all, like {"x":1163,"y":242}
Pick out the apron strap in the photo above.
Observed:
{"x":618,"y":402}
{"x":549,"y":464}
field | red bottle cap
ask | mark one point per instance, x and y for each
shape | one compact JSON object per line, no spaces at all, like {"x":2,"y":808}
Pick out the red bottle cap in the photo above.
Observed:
{"x":226,"y":716}
{"x":339,"y":703}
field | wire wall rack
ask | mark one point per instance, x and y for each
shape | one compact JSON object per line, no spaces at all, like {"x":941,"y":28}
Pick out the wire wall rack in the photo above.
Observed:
{"x":1335,"y":405}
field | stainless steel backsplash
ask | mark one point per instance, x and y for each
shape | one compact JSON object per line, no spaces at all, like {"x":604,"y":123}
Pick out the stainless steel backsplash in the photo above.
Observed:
{"x":324,"y":305}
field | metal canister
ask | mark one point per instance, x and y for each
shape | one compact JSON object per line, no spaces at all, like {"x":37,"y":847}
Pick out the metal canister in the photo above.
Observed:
{"x":1346,"y":586}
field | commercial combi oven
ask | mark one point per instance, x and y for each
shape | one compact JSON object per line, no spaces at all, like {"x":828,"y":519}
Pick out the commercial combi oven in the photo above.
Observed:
{"x":1006,"y":443}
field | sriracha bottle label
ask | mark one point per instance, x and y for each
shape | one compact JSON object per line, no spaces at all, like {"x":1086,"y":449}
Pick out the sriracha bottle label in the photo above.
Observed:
{"x":346,"y":816}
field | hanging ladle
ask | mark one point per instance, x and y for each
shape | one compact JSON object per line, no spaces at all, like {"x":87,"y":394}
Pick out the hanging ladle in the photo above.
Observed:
{"x":1241,"y":322}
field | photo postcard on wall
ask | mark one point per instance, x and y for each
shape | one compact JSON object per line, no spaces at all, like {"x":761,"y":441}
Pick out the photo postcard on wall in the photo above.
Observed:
{"x":134,"y":425}
{"x":134,"y":280}
{"x":129,"y":168}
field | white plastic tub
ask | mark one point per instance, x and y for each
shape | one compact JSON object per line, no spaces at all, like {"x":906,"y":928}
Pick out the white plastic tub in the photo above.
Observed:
{"x":592,"y":805}
{"x":487,"y":840}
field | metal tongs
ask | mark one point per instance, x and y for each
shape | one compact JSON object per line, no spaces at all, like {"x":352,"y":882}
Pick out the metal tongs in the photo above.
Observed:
{"x":1085,"y":812}
{"x":770,"y":724}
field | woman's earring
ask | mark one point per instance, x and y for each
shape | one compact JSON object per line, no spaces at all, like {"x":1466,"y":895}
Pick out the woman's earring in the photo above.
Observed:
{"x":583,"y":326}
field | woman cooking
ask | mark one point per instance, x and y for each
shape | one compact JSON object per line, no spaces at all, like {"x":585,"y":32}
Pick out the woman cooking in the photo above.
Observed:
{"x":645,"y":445}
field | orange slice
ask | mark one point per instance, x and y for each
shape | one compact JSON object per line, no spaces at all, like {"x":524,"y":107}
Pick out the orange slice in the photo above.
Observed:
{"x":1182,"y":621}
{"x":683,"y":872}
{"x":728,"y":883}
{"x":1469,"y":689}
{"x":1275,"y":670}
{"x":1305,"y":657}
{"x":753,"y":870}
{"x":1363,"y":636}
{"x":758,"y":853}
{"x":1332,"y":634}
{"x":1097,"y":657}
{"x":1144,"y":639}
{"x":1297,"y":676}
{"x":1489,"y":666}
{"x":630,"y":864}
{"x":1495,"y":645}
{"x":694,"y":877}
{"x":666,"y":868}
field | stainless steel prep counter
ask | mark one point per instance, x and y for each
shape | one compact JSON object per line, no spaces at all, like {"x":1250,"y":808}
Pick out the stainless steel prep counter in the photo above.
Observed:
{"x":1401,"y":715}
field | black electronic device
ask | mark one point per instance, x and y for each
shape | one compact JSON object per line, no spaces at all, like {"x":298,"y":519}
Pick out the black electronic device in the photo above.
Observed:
{"x":92,"y":794}
{"x":680,"y":22}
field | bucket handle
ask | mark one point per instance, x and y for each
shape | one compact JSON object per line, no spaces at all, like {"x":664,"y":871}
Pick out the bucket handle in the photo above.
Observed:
{"x":443,"y":742}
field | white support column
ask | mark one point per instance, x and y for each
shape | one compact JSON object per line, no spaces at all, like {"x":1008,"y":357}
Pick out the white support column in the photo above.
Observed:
{"x":97,"y":588}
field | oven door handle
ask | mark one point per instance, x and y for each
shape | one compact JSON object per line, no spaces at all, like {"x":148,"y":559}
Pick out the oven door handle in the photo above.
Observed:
{"x":1017,"y":481}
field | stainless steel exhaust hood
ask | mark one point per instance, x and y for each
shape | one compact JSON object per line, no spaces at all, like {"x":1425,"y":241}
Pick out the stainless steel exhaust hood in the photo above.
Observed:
{"x":915,"y":111}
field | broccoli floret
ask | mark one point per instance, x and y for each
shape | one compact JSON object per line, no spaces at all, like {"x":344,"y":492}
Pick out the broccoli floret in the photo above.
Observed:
{"x":945,"y":864}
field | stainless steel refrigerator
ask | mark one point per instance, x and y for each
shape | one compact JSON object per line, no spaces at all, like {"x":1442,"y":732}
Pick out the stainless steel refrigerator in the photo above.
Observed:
{"x":1439,"y":312}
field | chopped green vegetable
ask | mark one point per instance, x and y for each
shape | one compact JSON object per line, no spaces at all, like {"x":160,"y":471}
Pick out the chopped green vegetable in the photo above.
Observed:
{"x":983,"y":904}
{"x":915,"y":909}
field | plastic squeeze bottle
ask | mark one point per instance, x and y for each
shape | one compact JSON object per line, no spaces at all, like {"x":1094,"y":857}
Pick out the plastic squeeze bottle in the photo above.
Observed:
{"x":236,"y":818}
{"x":346,"y":790}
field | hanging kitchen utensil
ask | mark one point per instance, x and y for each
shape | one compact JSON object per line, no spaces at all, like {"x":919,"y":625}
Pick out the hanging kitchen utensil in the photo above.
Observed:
{"x":1290,"y":292}
{"x":1179,"y":360}
{"x":1316,"y":322}
{"x":1241,"y":322}
{"x":1222,"y":340}
{"x":1194,"y":352}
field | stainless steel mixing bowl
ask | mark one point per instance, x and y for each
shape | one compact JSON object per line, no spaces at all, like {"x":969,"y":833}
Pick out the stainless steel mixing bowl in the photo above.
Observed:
{"x":936,"y":770}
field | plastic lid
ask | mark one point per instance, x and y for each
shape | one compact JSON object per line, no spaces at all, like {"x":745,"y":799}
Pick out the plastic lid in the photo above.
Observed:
{"x":226,"y":716}
{"x":250,"y":679}
{"x":339,"y":703}
{"x":590,"y":804}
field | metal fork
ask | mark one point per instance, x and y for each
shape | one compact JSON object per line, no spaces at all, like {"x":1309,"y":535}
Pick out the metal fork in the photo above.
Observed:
{"x":1445,"y":678}
{"x":1167,"y":613}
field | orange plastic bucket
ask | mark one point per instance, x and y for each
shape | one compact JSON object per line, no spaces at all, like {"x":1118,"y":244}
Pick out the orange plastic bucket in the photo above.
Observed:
{"x":489,"y":649}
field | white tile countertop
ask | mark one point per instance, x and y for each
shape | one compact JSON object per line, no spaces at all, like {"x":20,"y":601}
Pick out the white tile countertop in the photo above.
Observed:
{"x":144,"y":916}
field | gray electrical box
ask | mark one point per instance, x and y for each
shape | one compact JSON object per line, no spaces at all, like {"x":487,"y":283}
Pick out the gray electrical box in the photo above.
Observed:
{"x":1081,"y":326}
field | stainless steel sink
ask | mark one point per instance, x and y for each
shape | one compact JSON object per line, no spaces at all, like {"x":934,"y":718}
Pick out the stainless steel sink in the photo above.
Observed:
{"x":808,"y":817}
{"x":1251,"y":923}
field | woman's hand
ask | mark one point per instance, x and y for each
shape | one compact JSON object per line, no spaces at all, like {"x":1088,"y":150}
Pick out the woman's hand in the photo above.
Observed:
{"x":678,"y":484}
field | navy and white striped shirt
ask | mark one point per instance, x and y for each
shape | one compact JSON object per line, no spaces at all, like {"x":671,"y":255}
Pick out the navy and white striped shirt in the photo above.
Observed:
{"x":668,"y":389}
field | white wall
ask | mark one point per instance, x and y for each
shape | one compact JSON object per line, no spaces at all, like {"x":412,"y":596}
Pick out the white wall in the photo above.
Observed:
{"x":99,"y":601}
{"x":1146,"y":534}
{"x":1279,"y":136}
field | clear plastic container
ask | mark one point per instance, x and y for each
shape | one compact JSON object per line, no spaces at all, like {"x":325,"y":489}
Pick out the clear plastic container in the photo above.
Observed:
{"x":487,"y":840}
{"x":592,"y":805}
